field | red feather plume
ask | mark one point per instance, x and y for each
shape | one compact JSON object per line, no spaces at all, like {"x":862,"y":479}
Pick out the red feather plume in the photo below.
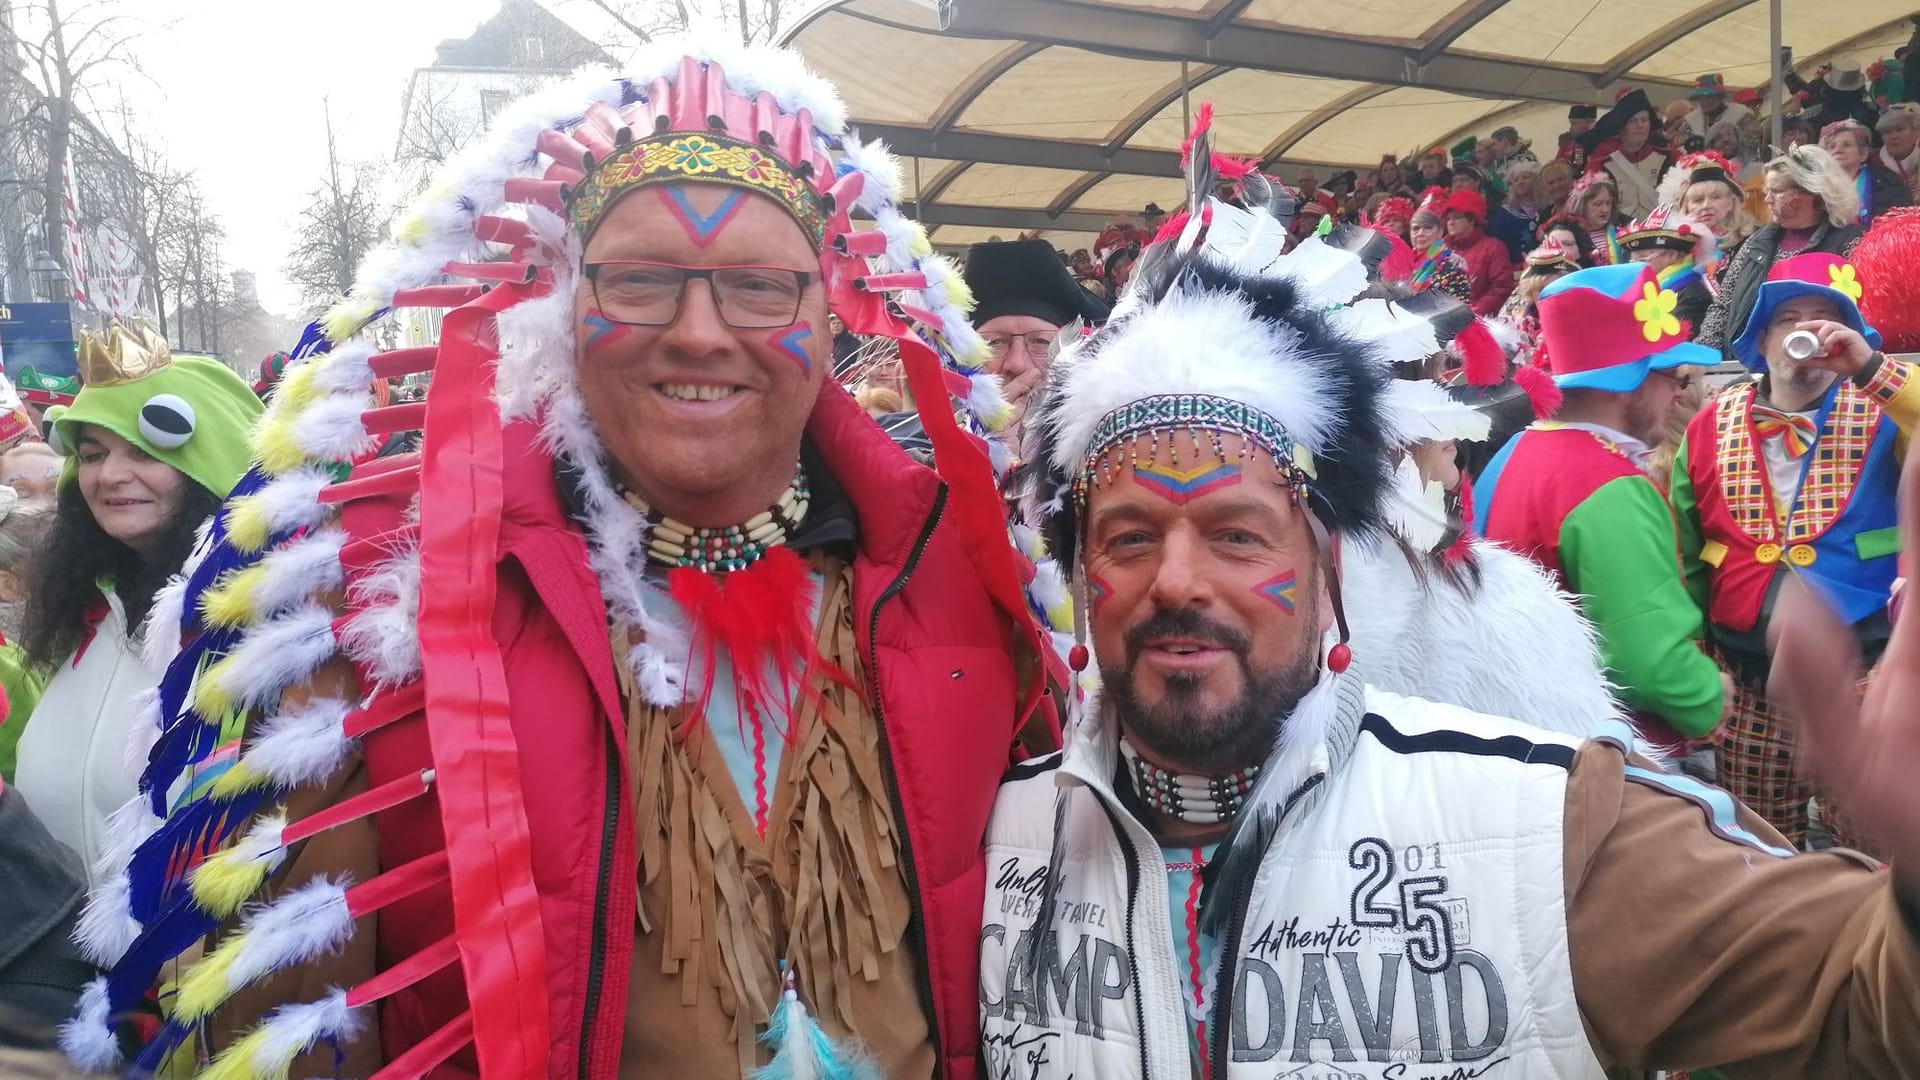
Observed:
{"x":1481,"y":357}
{"x":1885,"y":262}
{"x":1541,"y":390}
{"x":1202,"y":120}
{"x":761,"y":616}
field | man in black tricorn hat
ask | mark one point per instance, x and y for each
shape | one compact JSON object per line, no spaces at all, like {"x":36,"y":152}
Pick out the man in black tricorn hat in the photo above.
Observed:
{"x":1023,"y":296}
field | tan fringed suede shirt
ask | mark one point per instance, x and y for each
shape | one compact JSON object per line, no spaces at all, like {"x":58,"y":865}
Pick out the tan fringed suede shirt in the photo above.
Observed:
{"x":720,"y":906}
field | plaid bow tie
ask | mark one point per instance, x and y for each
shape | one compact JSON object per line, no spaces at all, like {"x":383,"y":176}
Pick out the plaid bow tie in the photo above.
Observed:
{"x":1795,"y":432}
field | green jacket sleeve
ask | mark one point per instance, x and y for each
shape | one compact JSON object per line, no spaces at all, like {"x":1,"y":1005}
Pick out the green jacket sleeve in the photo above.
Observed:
{"x":1617,"y":552}
{"x":1686,"y":523}
{"x":23,"y":686}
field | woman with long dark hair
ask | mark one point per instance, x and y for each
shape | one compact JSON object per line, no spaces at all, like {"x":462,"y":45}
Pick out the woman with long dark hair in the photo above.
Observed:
{"x":153,"y":445}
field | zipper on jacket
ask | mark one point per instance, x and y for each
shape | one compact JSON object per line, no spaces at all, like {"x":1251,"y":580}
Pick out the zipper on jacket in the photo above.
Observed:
{"x":1222,"y":1012}
{"x":919,"y":920}
{"x":603,"y":879}
{"x":1133,"y":954}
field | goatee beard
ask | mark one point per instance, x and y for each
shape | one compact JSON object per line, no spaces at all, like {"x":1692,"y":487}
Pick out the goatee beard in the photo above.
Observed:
{"x":1179,"y":731}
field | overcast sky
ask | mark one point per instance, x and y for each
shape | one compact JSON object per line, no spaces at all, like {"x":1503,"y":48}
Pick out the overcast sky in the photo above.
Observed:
{"x":236,"y":88}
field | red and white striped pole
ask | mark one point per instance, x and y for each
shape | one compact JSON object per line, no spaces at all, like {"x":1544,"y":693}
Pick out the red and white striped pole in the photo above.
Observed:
{"x":76,"y":258}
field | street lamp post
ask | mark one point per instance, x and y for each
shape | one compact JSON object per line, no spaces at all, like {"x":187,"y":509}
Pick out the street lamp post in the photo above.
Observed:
{"x":50,"y":281}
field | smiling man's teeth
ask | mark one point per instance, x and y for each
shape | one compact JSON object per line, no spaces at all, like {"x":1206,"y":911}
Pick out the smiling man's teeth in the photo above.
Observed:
{"x":682,"y":392}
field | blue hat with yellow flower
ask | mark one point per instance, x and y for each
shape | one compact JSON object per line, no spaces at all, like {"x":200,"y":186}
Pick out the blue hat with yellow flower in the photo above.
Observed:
{"x":1607,"y":327}
{"x":1827,"y":276}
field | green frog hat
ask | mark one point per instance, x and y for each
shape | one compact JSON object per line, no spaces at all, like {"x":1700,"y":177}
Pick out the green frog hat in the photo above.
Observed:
{"x":191,"y":412}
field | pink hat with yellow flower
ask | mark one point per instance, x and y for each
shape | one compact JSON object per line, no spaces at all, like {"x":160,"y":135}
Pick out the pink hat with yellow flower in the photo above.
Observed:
{"x":1607,"y":327}
{"x":1828,"y":276}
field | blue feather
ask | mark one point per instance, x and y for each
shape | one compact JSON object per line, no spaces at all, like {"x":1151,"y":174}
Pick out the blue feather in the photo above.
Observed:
{"x":792,"y":1033}
{"x":179,"y":929}
{"x":157,"y":875}
{"x":186,"y":738}
{"x":155,"y":1054}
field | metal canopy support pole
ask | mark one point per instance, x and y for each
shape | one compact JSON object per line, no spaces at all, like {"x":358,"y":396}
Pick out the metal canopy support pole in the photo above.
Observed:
{"x":1186,"y":99}
{"x":1778,"y":80}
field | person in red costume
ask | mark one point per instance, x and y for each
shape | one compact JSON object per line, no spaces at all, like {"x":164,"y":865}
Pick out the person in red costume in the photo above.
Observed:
{"x":1489,"y":268}
{"x":1625,"y":142}
{"x":649,"y":724}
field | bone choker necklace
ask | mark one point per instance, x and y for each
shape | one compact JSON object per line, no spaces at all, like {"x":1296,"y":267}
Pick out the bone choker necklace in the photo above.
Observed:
{"x":1198,"y":800}
{"x":674,"y":544}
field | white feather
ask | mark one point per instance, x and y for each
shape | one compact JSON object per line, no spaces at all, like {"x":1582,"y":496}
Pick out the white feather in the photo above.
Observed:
{"x":330,"y":430}
{"x":302,"y":745}
{"x":1397,"y":337}
{"x":881,"y":170}
{"x":346,"y":370}
{"x":88,"y":1038}
{"x":292,"y":1030}
{"x":106,"y":926}
{"x":299,"y":925}
{"x":382,"y":636}
{"x":142,"y":733}
{"x":1421,"y":411}
{"x":1193,"y":343}
{"x":292,"y":500}
{"x":300,"y":571}
{"x":276,"y":654}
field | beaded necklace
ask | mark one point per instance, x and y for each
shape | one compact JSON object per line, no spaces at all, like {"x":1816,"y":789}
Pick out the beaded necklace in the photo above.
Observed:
{"x":674,"y":544}
{"x":1198,"y":800}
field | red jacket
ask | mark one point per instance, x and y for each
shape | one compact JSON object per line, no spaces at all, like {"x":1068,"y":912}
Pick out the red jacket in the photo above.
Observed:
{"x":939,"y":658}
{"x":1489,"y":270}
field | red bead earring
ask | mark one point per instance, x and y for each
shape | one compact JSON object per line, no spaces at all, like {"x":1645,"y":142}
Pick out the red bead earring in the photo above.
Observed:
{"x":1339,"y":659}
{"x":1078,"y":657}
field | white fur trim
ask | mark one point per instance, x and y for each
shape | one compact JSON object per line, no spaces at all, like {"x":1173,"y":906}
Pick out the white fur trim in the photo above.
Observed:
{"x":881,"y":171}
{"x":382,"y":637}
{"x":88,"y":1038}
{"x":276,"y":654}
{"x":303,"y":745}
{"x":298,"y":926}
{"x":1193,"y":343}
{"x":1516,"y":646}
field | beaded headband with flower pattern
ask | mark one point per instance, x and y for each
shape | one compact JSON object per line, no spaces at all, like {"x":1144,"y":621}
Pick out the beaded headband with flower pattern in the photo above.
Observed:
{"x":705,"y":158}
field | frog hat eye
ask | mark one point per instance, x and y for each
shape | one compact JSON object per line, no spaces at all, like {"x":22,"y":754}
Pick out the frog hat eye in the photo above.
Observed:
{"x":166,"y":421}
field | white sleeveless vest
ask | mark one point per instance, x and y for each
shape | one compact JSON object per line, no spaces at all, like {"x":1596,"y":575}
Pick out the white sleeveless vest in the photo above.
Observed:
{"x":1408,"y":921}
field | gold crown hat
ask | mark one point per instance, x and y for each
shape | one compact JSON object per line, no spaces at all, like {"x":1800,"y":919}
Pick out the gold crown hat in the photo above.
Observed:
{"x":122,"y":355}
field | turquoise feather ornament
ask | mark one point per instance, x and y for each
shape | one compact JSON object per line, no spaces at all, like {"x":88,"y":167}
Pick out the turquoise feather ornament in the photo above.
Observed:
{"x":801,"y":1051}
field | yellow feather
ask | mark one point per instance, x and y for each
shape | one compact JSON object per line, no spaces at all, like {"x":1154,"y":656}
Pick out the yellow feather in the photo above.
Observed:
{"x":974,"y":359}
{"x":411,"y":232}
{"x":237,"y":779}
{"x":295,"y":391}
{"x":917,"y":243}
{"x":999,"y":418}
{"x":231,"y":600}
{"x":274,"y":446}
{"x":247,"y":525}
{"x":958,"y":293}
{"x":210,"y":696}
{"x":205,"y":987}
{"x":237,"y":1062}
{"x":228,"y":879}
{"x":1060,"y":617}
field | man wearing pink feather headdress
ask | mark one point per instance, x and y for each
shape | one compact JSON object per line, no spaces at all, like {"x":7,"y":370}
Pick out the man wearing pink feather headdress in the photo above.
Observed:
{"x":646,"y":723}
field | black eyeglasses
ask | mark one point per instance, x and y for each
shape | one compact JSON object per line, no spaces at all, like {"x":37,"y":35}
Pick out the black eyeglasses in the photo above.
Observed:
{"x":638,"y":293}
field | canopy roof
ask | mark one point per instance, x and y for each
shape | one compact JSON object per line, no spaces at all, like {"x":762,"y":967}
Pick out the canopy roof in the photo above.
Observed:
{"x":1059,"y":115}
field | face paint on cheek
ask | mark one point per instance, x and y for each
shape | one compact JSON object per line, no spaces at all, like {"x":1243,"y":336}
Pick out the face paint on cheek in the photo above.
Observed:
{"x":1282,"y":591}
{"x":602,"y":331}
{"x":793,"y":341}
{"x":1182,"y":486}
{"x":1098,"y":593}
{"x":701,"y":228}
